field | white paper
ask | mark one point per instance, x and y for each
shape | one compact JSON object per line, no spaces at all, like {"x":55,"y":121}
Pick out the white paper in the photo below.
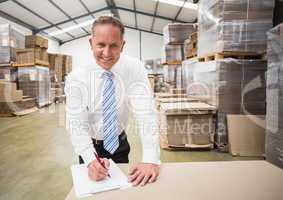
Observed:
{"x":85,"y":187}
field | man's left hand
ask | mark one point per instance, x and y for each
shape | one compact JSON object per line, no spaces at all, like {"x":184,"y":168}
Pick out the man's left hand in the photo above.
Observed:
{"x":143,"y":173}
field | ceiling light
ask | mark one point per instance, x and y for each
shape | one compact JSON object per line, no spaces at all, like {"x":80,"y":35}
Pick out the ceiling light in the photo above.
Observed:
{"x":180,"y":4}
{"x":64,"y":30}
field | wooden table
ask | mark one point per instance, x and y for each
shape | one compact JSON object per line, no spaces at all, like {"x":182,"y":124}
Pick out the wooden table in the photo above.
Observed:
{"x":230,"y":180}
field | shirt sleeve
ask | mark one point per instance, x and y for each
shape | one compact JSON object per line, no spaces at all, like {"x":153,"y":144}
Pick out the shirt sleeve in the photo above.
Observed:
{"x":143,"y":108}
{"x":77,"y":122}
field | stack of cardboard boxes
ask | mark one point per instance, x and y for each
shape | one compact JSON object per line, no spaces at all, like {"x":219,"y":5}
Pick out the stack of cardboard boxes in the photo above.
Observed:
{"x":229,"y":71}
{"x":232,"y":25}
{"x":174,"y":36}
{"x":35,"y":52}
{"x":60,"y":66}
{"x":274,"y":115}
{"x":32,"y":70}
{"x":12,"y":99}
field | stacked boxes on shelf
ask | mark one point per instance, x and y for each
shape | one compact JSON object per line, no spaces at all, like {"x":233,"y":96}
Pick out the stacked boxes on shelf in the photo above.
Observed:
{"x":35,"y":52}
{"x":12,"y":100}
{"x":155,"y":74}
{"x":174,"y":36}
{"x":67,"y":66}
{"x":190,"y":46}
{"x":32,"y":70}
{"x":232,"y":25}
{"x":56,"y":67}
{"x":234,"y":86}
{"x":230,"y":29}
{"x":60,"y":67}
{"x":34,"y":81}
{"x":274,"y":115}
{"x":10,"y":40}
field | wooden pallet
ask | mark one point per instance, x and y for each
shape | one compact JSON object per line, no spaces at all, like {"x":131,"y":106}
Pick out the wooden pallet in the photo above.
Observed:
{"x":186,"y":147}
{"x":236,"y":55}
{"x":25,"y":112}
{"x":222,"y":147}
{"x":176,"y":62}
{"x":37,"y":62}
{"x":164,"y":145}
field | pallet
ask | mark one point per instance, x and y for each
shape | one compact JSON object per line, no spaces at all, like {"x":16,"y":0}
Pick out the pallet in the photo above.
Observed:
{"x":222,"y":147}
{"x":37,"y":62}
{"x":236,"y":55}
{"x":186,"y":147}
{"x":25,"y":112}
{"x":176,"y":62}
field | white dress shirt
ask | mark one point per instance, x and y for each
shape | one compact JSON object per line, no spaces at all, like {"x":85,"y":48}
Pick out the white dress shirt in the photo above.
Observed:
{"x":83,"y":90}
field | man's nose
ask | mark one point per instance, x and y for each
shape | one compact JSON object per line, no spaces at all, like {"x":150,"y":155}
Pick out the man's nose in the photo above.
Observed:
{"x":106,"y":51}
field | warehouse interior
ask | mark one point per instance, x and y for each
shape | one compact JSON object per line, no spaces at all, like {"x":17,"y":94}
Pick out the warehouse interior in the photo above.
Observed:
{"x":216,"y":64}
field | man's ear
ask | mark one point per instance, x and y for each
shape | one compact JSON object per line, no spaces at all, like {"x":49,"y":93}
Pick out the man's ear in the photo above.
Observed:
{"x":124,"y":42}
{"x":90,"y":42}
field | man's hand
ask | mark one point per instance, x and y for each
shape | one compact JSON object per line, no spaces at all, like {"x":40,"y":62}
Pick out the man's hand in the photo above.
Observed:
{"x":143,"y":173}
{"x":96,"y":171}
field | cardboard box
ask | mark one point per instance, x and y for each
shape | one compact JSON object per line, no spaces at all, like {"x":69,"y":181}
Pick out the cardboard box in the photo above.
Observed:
{"x":246,"y":135}
{"x":233,"y":25}
{"x":173,"y":53}
{"x":7,"y":55}
{"x":32,"y":56}
{"x":186,"y":123}
{"x":56,"y":67}
{"x":33,"y":41}
{"x":177,"y":33}
{"x":9,"y":92}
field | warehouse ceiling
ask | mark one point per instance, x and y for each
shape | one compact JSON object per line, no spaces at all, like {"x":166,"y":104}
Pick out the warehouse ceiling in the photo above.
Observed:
{"x":67,"y":20}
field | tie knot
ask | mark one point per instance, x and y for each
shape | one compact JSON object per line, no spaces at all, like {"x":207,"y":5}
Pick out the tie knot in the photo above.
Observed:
{"x":107,"y":74}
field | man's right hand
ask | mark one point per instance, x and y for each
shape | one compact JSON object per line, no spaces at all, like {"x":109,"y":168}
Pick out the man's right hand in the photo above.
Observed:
{"x":96,"y":171}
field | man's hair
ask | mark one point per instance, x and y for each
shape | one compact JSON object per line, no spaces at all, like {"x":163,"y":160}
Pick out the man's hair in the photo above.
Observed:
{"x":109,"y":20}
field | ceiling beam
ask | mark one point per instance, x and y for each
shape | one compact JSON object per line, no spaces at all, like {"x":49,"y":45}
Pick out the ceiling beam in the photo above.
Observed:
{"x":39,"y":16}
{"x":66,"y":14}
{"x":74,"y":18}
{"x":111,"y":4}
{"x":108,"y":8}
{"x":136,"y":22}
{"x":155,"y":12}
{"x":24,"y":24}
{"x":147,"y":14}
{"x":126,"y":26}
{"x":86,"y":8}
{"x":16,"y":20}
{"x":179,"y":11}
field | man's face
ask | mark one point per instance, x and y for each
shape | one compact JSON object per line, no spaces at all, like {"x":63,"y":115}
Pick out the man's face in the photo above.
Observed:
{"x":107,"y":45}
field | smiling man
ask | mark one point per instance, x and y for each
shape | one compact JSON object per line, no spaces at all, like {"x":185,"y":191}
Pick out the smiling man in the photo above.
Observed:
{"x":100,"y":98}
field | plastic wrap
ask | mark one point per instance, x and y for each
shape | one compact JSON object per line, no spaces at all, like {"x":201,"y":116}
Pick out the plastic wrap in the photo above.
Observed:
{"x":177,"y":33}
{"x":9,"y":37}
{"x":274,"y":111}
{"x":154,"y":66}
{"x":234,"y":25}
{"x":173,"y":75}
{"x":233,"y":86}
{"x":35,"y":82}
{"x":172,"y":53}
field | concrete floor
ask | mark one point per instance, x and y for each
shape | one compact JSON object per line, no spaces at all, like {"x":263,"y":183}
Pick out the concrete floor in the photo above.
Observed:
{"x":36,"y":155}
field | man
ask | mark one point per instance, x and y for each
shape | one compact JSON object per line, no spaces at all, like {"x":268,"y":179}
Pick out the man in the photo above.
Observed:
{"x":99,"y":100}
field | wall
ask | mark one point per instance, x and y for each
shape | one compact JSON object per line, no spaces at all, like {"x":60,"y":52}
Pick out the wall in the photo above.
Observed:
{"x":150,"y":47}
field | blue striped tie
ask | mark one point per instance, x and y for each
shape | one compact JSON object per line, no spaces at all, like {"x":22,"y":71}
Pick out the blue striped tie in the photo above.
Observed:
{"x":110,"y":119}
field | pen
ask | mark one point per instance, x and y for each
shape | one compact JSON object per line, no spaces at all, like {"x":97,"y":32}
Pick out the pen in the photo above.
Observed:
{"x":101,"y":163}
